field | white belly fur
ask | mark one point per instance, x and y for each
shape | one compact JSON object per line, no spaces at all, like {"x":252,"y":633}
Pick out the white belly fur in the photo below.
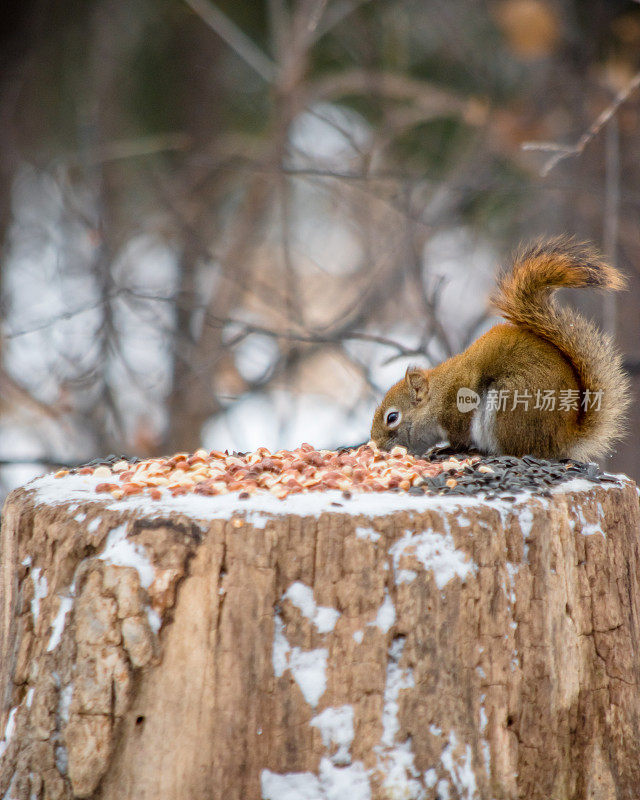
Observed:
{"x":483,"y":425}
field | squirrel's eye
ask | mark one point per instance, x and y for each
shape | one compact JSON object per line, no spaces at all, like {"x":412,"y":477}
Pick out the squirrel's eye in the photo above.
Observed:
{"x":392,"y":418}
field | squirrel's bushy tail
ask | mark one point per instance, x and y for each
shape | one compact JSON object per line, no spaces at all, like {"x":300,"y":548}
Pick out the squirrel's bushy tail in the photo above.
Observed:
{"x":524,"y":297}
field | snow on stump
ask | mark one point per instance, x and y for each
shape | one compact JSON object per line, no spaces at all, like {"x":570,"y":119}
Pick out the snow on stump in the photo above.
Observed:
{"x":382,"y":645}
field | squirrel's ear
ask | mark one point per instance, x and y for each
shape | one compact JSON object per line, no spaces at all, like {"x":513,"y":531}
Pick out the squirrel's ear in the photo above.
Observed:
{"x":417,"y":383}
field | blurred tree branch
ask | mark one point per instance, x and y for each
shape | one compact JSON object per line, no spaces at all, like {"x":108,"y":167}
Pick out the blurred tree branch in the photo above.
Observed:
{"x":248,"y":51}
{"x":561,"y":151}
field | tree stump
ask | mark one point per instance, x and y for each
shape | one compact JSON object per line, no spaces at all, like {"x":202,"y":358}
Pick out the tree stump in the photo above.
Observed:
{"x":377,"y":647}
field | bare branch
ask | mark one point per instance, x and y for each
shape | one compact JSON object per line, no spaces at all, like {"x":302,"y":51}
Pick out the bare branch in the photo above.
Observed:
{"x":248,"y":328}
{"x":611,"y":214}
{"x":61,"y":316}
{"x":128,"y":148}
{"x":339,"y":12}
{"x":566,"y":151}
{"x":315,"y":16}
{"x":391,"y":85}
{"x":236,"y":38}
{"x":279,"y":25}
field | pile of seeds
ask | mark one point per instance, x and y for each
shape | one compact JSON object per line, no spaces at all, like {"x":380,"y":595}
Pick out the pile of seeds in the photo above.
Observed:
{"x":503,"y":476}
{"x":305,"y":469}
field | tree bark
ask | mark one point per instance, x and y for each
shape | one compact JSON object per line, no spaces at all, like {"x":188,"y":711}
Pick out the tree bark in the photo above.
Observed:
{"x":462,"y":649}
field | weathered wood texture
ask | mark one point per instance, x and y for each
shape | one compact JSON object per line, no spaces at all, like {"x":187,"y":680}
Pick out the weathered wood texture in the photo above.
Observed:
{"x":488,"y":652}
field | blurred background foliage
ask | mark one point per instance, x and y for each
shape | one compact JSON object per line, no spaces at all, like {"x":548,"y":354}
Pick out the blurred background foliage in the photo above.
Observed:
{"x":236,"y":223}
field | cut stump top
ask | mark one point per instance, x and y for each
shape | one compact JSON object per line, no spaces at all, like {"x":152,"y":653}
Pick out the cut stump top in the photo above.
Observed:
{"x":379,"y":646}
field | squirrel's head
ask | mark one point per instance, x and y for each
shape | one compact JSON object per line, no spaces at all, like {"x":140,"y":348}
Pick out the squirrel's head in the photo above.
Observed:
{"x":403,"y":416}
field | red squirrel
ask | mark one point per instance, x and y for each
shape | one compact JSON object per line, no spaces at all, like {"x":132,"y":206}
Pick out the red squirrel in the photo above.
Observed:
{"x":546,"y":383}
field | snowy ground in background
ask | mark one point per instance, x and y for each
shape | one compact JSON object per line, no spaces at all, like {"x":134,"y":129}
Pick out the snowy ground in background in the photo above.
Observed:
{"x":53,"y":317}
